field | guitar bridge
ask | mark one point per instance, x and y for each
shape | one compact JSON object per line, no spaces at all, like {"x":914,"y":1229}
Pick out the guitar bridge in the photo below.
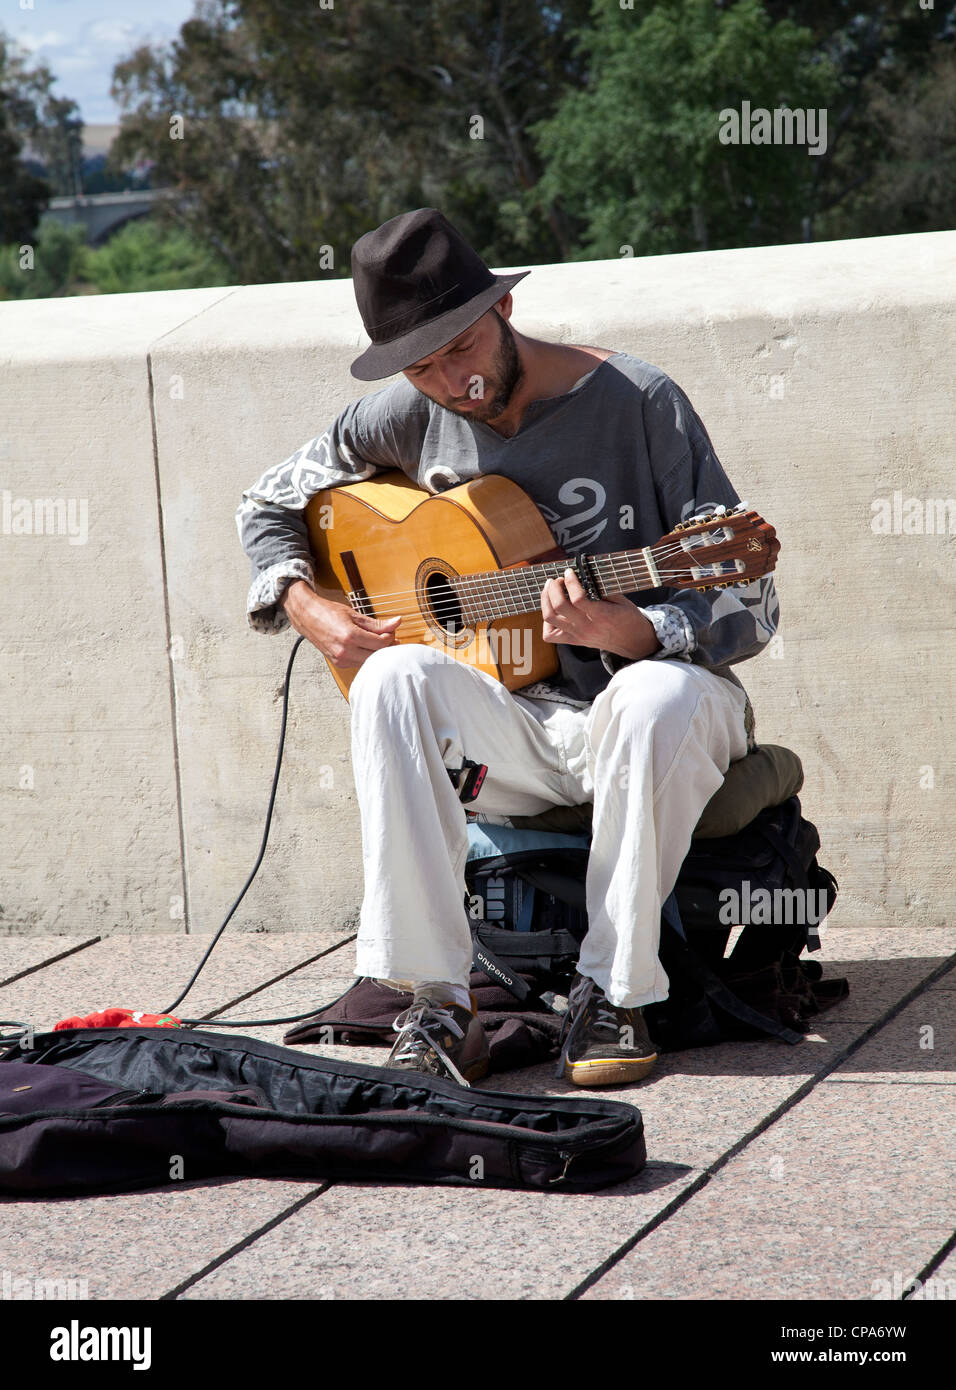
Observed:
{"x":358,"y":594}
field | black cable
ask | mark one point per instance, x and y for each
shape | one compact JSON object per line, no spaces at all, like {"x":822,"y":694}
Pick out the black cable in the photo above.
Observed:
{"x":249,"y":1022}
{"x":13,"y":1023}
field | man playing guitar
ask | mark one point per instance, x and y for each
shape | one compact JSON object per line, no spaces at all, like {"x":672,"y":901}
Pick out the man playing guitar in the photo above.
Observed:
{"x":646,"y":714}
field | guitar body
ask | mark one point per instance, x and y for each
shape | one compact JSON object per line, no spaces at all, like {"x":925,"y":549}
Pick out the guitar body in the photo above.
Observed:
{"x":386,"y":536}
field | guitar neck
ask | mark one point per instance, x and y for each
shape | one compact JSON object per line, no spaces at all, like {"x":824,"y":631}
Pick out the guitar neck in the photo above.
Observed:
{"x":509,"y":593}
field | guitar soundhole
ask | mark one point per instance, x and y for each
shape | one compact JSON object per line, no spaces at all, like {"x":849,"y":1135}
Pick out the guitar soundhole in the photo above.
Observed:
{"x":444,"y":605}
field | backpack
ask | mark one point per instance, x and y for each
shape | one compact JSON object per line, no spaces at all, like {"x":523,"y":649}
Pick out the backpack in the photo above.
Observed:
{"x":525,"y":894}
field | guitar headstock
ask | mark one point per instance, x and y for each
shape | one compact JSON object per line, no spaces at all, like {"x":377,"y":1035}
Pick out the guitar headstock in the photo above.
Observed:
{"x":717,"y":551}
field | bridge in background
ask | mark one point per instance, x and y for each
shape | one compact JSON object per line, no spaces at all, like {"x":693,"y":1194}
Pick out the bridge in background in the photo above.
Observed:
{"x":102,"y":214}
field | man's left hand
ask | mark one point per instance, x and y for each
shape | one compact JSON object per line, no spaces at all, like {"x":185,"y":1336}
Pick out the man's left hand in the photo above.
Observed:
{"x":613,"y":625}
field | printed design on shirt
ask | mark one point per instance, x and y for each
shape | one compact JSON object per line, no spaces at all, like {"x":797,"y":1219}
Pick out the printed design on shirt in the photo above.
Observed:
{"x":571,"y":531}
{"x":543,"y":690}
{"x":294,"y":481}
{"x":672,"y":629}
{"x":439,"y":479}
{"x":694,"y":509}
{"x":760,"y":600}
{"x":262,"y":605}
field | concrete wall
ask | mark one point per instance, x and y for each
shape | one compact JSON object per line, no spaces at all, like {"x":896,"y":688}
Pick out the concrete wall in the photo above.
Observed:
{"x":142,"y":713}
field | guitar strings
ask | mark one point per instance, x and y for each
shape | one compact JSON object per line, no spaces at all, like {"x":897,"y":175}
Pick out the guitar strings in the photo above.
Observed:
{"x":450,"y":605}
{"x":473,"y":586}
{"x":414,"y":619}
{"x":478,"y":588}
{"x":605,"y":562}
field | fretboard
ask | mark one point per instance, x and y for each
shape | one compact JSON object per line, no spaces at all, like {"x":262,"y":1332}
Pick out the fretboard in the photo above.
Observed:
{"x":508,"y":593}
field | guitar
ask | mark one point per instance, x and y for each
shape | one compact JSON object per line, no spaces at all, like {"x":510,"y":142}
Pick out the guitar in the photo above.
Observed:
{"x":465,"y":567}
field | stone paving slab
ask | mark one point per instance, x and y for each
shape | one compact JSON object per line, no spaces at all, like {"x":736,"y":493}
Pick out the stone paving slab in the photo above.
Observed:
{"x":845,"y":1188}
{"x":372,"y":1241}
{"x":19,"y":953}
{"x":138,"y":1244}
{"x":697,"y":1103}
{"x":880,"y":966}
{"x":918,"y":1046}
{"x":102,"y":1238}
{"x":147,"y":972}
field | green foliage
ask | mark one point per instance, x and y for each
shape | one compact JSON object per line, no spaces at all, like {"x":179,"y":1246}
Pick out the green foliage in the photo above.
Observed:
{"x":47,"y":267}
{"x":303,"y":126}
{"x":51,"y":125}
{"x":22,"y":195}
{"x":638,"y":155}
{"x":145,"y":256}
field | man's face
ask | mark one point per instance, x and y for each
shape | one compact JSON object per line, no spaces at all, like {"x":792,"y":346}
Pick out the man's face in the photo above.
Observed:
{"x":475,"y":375}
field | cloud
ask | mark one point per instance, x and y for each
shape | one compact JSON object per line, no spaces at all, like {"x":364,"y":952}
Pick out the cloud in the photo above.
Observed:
{"x":86,"y":40}
{"x":26,"y":38}
{"x":114,"y":33}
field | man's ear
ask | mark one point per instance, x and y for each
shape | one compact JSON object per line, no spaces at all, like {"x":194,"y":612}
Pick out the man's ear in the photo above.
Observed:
{"x":505,"y":306}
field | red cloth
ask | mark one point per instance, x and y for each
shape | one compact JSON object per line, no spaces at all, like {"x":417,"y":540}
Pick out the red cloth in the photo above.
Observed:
{"x":120,"y":1018}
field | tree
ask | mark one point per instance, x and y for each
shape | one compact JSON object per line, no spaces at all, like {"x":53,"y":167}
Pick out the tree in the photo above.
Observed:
{"x":292,"y":129}
{"x":638,"y":156}
{"x":50,"y":266}
{"x":890,"y":162}
{"x":51,"y":125}
{"x":22,"y":195}
{"x":911,"y":183}
{"x":144,"y":257}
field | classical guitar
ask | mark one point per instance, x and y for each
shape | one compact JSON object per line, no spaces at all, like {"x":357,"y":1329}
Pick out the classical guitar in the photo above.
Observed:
{"x":465,"y":568}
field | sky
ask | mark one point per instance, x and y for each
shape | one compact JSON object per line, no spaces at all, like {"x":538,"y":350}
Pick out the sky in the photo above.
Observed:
{"x":80,"y":40}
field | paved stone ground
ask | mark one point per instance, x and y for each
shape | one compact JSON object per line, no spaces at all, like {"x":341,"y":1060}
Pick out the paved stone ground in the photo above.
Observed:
{"x":820,"y":1171}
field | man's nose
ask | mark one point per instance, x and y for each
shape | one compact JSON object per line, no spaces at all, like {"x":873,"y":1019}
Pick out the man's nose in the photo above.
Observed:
{"x":455,"y":380}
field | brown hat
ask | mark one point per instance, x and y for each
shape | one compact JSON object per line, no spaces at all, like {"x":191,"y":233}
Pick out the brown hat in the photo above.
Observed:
{"x":418,"y":284}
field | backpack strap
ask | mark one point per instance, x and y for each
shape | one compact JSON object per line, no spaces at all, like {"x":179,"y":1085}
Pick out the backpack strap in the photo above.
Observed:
{"x":788,"y":852}
{"x":527,"y":945}
{"x":716,"y":990}
{"x":485,"y":962}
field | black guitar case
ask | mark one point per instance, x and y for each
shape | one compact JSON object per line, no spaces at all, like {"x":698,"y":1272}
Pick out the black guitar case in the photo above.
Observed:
{"x":116,"y":1109}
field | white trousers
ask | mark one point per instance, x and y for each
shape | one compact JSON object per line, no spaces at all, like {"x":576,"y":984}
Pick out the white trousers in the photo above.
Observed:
{"x":650,"y":751}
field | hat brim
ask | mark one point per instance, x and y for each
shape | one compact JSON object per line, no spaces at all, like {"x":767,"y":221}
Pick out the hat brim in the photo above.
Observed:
{"x":385,"y":359}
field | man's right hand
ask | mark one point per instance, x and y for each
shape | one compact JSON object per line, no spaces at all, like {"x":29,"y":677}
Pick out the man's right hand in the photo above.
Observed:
{"x":343,"y":636}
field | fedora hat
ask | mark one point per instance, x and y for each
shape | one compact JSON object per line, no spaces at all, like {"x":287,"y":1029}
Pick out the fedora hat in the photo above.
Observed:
{"x":418,"y":284}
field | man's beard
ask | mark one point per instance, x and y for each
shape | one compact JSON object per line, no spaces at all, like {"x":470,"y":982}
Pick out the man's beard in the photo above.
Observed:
{"x":507,"y":373}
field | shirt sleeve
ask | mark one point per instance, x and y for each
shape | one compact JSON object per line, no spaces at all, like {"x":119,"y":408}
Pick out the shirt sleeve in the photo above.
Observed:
{"x":372,"y":434}
{"x":717,"y":627}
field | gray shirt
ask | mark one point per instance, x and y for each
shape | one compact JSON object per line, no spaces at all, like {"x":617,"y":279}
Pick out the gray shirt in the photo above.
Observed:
{"x":612,"y":464}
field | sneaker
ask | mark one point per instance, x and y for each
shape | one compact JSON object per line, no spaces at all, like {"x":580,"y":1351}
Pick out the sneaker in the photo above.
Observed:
{"x":439,"y":1038}
{"x":602,"y":1045}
